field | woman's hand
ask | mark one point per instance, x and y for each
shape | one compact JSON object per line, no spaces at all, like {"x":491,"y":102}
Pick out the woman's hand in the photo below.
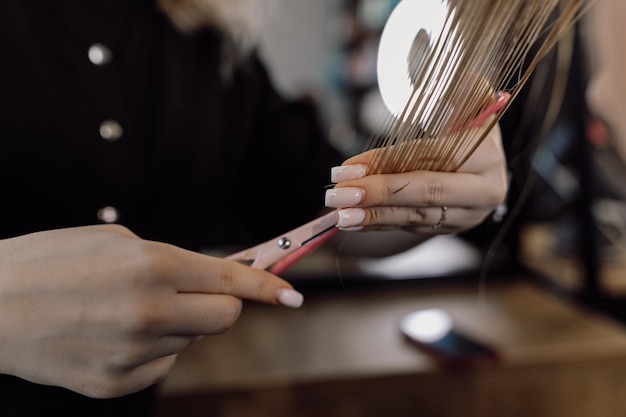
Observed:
{"x":103,"y":313}
{"x":425,"y":202}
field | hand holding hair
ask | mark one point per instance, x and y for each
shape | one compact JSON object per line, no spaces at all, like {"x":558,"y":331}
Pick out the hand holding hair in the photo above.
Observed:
{"x":421,"y":201}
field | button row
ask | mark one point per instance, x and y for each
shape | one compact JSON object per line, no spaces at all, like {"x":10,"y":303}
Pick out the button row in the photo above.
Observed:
{"x":110,"y":130}
{"x":100,"y":55}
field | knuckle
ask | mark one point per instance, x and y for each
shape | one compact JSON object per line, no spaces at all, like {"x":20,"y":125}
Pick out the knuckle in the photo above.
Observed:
{"x":415,"y":216}
{"x":433,"y":191}
{"x":385,"y":193}
{"x":130,"y":357}
{"x":374,"y":216}
{"x":147,"y":258}
{"x":262,"y":287}
{"x":227,"y":279}
{"x":146,"y":320}
{"x":144,"y":316}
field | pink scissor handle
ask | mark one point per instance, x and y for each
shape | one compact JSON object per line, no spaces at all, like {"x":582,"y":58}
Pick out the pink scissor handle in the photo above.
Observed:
{"x":281,"y":266}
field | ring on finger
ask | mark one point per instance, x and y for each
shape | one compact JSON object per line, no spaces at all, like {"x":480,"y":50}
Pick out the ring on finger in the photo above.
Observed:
{"x":442,"y":218}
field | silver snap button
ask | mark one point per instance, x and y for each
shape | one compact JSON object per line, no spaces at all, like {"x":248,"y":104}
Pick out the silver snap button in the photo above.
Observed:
{"x":99,"y":54}
{"x":108,"y":214}
{"x":111,"y":130}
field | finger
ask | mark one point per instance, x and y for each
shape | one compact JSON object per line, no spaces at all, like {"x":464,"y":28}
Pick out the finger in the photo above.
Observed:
{"x":127,"y":381}
{"x":168,"y":346}
{"x":193,"y":272}
{"x":195,"y":314}
{"x":482,"y":180}
{"x":417,"y":189}
{"x":163,"y":347}
{"x":427,"y":220}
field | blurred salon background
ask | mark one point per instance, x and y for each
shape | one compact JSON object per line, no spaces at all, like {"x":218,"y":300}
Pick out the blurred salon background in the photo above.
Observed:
{"x":534,"y":298}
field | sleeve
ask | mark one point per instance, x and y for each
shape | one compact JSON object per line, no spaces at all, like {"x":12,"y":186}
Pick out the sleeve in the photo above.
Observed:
{"x":286,"y":164}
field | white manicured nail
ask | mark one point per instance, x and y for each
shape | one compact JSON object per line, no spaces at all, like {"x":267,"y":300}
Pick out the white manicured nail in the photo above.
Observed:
{"x":290,"y":298}
{"x":350,"y":218}
{"x":343,"y":197}
{"x":347,"y":172}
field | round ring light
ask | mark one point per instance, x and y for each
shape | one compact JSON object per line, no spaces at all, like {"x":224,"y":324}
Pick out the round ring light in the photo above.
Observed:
{"x":407,"y":39}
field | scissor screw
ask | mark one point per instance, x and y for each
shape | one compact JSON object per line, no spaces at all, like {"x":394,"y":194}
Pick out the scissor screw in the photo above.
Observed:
{"x":284,"y":243}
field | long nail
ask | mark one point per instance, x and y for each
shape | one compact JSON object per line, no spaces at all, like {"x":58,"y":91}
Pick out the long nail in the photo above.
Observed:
{"x":290,"y":298}
{"x":347,"y":172}
{"x":350,"y":218}
{"x":344,"y":197}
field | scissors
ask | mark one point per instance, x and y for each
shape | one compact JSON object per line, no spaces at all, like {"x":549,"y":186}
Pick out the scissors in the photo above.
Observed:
{"x":280,"y":253}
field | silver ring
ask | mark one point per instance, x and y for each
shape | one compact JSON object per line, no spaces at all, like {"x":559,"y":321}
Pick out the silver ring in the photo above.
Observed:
{"x":444,"y":212}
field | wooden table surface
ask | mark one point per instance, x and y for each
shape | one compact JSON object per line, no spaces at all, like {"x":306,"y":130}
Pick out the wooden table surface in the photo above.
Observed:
{"x":343,"y":354}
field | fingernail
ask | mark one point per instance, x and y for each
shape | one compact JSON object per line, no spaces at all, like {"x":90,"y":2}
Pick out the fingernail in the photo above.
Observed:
{"x":349,"y":218}
{"x":343,"y":197}
{"x":290,"y":298}
{"x":347,"y":172}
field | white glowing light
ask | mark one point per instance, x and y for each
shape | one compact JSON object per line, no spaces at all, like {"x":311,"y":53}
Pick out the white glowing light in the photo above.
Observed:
{"x":428,"y":18}
{"x":427,"y":326}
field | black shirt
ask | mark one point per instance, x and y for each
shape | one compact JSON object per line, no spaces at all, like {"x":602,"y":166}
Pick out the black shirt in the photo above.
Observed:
{"x":107,"y":113}
{"x":148,"y":127}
